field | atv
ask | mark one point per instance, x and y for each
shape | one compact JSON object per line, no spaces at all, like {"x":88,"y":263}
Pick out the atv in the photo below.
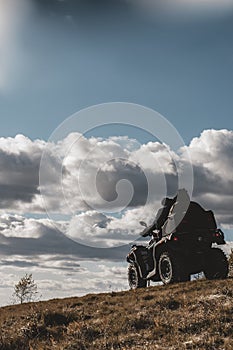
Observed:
{"x":174,"y":256}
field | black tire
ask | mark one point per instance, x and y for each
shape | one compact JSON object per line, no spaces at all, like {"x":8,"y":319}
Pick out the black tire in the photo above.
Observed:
{"x":216,"y":264}
{"x":134,"y":278}
{"x":171,"y":269}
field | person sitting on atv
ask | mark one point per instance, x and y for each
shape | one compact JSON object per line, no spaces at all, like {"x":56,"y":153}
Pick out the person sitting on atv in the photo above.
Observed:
{"x":161,"y":216}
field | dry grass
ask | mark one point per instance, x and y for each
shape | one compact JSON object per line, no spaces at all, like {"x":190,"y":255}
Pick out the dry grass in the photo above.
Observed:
{"x":194,"y":315}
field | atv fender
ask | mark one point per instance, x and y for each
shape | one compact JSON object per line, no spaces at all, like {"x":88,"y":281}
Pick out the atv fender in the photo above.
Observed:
{"x":135,"y":257}
{"x":157,"y":249}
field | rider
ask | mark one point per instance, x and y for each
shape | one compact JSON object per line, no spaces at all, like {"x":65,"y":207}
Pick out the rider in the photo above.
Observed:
{"x":161,"y":216}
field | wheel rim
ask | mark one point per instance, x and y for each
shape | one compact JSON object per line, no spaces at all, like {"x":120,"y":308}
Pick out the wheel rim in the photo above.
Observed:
{"x":166,"y":269}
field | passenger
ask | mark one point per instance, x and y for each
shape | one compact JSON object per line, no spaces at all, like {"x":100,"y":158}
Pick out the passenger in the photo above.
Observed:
{"x":161,"y":216}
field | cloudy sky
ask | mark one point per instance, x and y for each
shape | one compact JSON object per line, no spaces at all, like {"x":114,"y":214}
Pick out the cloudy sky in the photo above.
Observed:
{"x":58,"y":57}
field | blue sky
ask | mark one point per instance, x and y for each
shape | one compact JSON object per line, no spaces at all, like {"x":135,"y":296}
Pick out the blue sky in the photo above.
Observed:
{"x":181,"y":67}
{"x":58,"y":57}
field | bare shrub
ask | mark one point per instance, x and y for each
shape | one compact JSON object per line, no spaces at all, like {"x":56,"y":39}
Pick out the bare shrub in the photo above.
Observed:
{"x":26,"y":289}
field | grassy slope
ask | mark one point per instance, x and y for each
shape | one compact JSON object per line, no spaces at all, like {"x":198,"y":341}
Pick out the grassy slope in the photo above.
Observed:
{"x":194,"y":315}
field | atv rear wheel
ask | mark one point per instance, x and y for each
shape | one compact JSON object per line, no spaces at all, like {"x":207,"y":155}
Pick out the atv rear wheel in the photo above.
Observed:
{"x":134,"y":278}
{"x":216,"y":264}
{"x":171,"y":269}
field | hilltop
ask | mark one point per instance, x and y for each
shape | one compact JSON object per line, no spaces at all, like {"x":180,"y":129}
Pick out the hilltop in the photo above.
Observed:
{"x":192,"y":315}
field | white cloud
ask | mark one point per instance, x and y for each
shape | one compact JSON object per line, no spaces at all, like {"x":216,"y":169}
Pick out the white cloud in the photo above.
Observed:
{"x":213,"y":150}
{"x":107,"y":175}
{"x":99,"y":230}
{"x":76,"y":165}
{"x":21,"y":227}
{"x":20,"y":236}
{"x":112,"y":160}
{"x":211,"y":155}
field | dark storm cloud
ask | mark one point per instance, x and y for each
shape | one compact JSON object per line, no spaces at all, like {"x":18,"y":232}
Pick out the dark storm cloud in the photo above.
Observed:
{"x":13,"y":193}
{"x":121,"y":169}
{"x":18,"y":263}
{"x":19,"y":177}
{"x":54,"y":242}
{"x":206,"y":181}
{"x":19,"y":173}
{"x":56,"y":262}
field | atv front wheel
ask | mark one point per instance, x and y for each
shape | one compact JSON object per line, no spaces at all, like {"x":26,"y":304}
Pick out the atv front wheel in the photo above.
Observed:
{"x":171,"y":269}
{"x":134,"y":278}
{"x":216,"y":264}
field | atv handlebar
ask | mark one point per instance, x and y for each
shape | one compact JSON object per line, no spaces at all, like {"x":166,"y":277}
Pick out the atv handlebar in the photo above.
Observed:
{"x":149,"y":231}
